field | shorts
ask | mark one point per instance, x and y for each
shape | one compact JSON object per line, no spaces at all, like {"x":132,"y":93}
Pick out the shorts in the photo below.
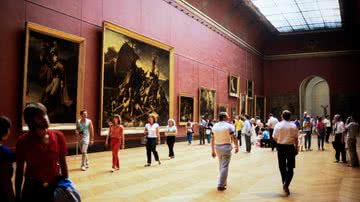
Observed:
{"x":83,"y":147}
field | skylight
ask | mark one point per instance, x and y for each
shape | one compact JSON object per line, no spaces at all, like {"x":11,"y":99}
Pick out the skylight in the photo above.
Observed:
{"x":300,"y":15}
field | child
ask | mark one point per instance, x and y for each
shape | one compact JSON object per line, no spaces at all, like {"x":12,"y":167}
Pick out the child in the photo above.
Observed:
{"x":301,"y":140}
{"x":266,"y":137}
{"x":189,"y":131}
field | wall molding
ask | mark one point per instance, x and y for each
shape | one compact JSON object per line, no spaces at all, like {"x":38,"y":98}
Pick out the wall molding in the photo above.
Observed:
{"x":311,"y":55}
{"x":202,"y":18}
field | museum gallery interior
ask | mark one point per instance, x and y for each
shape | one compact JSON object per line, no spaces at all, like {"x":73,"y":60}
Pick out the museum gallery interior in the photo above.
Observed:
{"x":185,"y":62}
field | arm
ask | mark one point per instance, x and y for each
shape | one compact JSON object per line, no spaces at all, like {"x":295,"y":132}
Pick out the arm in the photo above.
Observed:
{"x":19,"y":178}
{"x":122,"y":138}
{"x":213,"y":154}
{"x":236,"y":143}
{"x":63,"y":166}
{"x":158,"y":134}
{"x":91,"y":133}
{"x":107,"y":137}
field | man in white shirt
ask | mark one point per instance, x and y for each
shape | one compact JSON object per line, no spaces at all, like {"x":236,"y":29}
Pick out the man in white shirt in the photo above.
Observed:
{"x":223,"y":136}
{"x":339,"y":144}
{"x":328,"y":128}
{"x":272,"y":121}
{"x":202,"y":128}
{"x":286,"y":137}
{"x":247,"y":131}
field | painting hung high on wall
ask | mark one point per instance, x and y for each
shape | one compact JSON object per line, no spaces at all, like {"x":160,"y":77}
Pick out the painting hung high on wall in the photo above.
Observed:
{"x":186,"y":108}
{"x":250,"y":88}
{"x":207,"y":101}
{"x":234,"y":110}
{"x":242,"y":104}
{"x":222,"y":108}
{"x":250,"y":106}
{"x":260,"y":104}
{"x":53,"y":73}
{"x":136,"y":78}
{"x":234,"y":86}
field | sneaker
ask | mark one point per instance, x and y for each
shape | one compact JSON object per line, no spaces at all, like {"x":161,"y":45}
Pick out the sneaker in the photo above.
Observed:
{"x":147,"y":165}
{"x":336,"y":161}
{"x":286,"y":190}
{"x":159,"y":162}
{"x":83,"y":168}
{"x":112,"y":170}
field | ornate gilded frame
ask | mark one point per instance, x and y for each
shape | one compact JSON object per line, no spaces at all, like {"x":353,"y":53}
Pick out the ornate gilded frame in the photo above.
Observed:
{"x":30,"y":26}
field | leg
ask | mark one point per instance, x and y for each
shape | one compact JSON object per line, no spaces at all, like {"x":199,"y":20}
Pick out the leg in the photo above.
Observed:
{"x":224,"y":155}
{"x":115,"y":147}
{"x":310,"y":140}
{"x":172,"y":143}
{"x":337,"y":146}
{"x":239,"y":137}
{"x":168,"y":144}
{"x":282,"y":163}
{"x":153,"y":149}
{"x":319,"y":141}
{"x":247,"y":140}
{"x":290,"y":164}
{"x":343,"y":152}
{"x":148,"y":150}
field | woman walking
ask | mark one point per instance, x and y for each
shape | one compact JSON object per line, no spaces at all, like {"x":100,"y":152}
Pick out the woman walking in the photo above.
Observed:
{"x":117,"y":141}
{"x":152,"y":134}
{"x":171,"y":132}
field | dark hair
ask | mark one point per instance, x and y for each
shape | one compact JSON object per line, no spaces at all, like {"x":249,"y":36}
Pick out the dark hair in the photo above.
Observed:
{"x":117,"y":116}
{"x":270,"y":114}
{"x":247,"y":116}
{"x":222,"y":116}
{"x":262,"y":129}
{"x":5,"y":124}
{"x":82,"y":111}
{"x":31,"y":110}
{"x":286,"y":114}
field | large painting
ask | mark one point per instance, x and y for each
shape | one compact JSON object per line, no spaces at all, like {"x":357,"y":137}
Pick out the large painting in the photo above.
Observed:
{"x":260,"y":104}
{"x":137,"y":76}
{"x":186,"y":109}
{"x":207,"y":103}
{"x":250,"y":88}
{"x":250,"y":106}
{"x":242,"y":104}
{"x":222,"y":108}
{"x":234,"y":86}
{"x":53,"y":73}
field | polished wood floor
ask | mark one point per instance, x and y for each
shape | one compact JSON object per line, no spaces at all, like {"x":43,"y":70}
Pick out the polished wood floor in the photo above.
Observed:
{"x":192,"y":176}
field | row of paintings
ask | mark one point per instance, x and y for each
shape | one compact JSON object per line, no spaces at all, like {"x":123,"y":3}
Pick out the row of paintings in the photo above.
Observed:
{"x":137,"y":77}
{"x":207,"y":106}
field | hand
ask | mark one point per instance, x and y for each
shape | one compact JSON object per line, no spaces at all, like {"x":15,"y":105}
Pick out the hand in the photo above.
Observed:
{"x":159,"y":142}
{"x":236,"y":150}
{"x":213,"y":154}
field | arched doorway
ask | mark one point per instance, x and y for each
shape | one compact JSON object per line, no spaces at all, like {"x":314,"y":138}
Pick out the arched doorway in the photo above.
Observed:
{"x":314,"y":95}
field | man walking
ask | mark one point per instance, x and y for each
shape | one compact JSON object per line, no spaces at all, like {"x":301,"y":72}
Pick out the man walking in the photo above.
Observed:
{"x":202,"y":128}
{"x":223,"y":136}
{"x":272,"y":121}
{"x":286,"y":137}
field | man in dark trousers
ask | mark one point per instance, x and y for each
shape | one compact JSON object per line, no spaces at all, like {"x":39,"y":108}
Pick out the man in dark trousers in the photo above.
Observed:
{"x":286,"y":137}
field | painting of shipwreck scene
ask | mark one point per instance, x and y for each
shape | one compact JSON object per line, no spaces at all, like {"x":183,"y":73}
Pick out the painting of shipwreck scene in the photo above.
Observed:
{"x":135,"y":80}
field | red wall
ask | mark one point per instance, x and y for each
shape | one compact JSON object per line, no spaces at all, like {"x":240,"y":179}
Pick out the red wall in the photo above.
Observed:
{"x":283,"y":79}
{"x":202,"y":57}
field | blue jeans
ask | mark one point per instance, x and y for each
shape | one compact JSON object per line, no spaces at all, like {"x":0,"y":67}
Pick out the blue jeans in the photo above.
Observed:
{"x":224,"y":155}
{"x":189,"y":137}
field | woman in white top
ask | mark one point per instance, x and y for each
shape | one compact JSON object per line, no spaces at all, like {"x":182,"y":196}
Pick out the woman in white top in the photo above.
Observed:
{"x":171,"y":131}
{"x":339,"y":144}
{"x":152,"y":135}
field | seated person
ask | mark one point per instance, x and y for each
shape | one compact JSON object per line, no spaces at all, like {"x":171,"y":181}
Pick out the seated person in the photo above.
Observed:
{"x":265,"y":142}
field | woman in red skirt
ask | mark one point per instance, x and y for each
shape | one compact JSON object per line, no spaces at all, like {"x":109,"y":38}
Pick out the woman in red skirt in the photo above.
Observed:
{"x":117,"y":141}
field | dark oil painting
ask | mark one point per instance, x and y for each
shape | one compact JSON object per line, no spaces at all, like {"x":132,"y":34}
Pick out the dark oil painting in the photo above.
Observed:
{"x":186,"y":108}
{"x":135,"y":80}
{"x":52,"y":76}
{"x":207,"y":99}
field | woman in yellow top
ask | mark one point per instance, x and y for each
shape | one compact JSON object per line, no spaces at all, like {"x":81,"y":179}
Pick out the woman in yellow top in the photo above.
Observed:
{"x":171,"y":131}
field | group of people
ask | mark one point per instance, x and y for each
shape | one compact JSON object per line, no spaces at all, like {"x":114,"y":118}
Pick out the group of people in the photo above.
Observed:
{"x":35,"y":180}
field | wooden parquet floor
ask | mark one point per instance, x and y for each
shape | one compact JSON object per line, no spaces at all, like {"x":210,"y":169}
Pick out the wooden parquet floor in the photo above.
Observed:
{"x":193,"y":174}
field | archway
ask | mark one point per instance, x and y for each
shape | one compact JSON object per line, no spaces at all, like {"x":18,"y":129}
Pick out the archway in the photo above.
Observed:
{"x":314,"y":96}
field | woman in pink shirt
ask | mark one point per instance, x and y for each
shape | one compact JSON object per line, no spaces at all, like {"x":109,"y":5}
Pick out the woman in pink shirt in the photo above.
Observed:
{"x":320,"y":126}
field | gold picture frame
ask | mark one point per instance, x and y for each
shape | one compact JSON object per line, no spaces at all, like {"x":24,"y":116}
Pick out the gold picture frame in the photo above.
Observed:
{"x":186,"y":102}
{"x":260,"y":107}
{"x":54,"y":74}
{"x":234,"y":86}
{"x":207,"y":103}
{"x":142,"y":57}
{"x":250,"y":88}
{"x":250,"y":106}
{"x":242,"y":104}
